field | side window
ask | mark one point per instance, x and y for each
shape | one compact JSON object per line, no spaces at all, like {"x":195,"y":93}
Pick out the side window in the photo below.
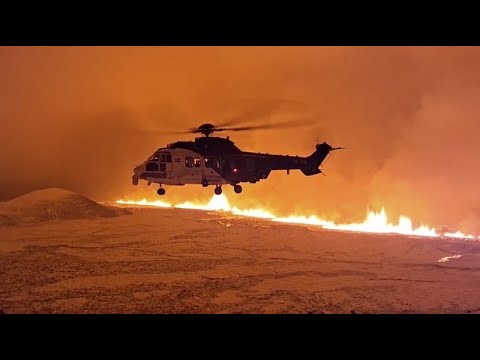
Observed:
{"x":163,"y":158}
{"x":163,"y":167}
{"x":188,"y":161}
{"x":169,"y":158}
{"x":208,"y":162}
{"x":211,"y":162}
{"x":197,"y":162}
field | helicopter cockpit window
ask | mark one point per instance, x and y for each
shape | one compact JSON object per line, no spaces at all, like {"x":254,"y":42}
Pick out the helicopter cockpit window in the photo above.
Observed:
{"x":188,"y":161}
{"x":166,"y":158}
{"x":197,"y":162}
{"x":152,"y":166}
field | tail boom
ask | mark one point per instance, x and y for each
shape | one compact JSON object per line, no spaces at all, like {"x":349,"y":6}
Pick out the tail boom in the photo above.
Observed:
{"x":316,"y":159}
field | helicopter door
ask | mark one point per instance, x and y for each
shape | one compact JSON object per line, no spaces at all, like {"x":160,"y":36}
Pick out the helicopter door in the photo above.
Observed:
{"x":213,"y":169}
{"x":194,"y":171}
{"x":166,"y":163}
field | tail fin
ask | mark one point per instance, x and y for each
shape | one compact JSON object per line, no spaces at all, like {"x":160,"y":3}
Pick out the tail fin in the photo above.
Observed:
{"x":315,"y":160}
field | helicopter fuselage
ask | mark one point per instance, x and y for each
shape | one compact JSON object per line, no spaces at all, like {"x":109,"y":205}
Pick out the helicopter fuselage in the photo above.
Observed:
{"x":217,"y":161}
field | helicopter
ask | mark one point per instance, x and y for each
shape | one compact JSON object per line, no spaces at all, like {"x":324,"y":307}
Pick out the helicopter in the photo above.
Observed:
{"x":212,"y":160}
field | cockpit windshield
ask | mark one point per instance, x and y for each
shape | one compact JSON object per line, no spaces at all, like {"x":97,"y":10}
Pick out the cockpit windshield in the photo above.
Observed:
{"x":154,"y":157}
{"x":164,"y":157}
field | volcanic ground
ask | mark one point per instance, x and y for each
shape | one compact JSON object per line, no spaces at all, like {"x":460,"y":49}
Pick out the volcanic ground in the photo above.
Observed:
{"x":63,"y":253}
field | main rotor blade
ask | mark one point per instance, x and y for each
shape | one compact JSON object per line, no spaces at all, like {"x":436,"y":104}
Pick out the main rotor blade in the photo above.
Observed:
{"x":260,"y":112}
{"x":282,"y":125}
{"x":157,"y":132}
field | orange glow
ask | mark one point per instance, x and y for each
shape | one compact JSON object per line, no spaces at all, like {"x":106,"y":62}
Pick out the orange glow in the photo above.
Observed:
{"x":448,"y":258}
{"x":144,"y":202}
{"x":412,"y":147}
{"x":374,"y":222}
{"x":459,"y":235}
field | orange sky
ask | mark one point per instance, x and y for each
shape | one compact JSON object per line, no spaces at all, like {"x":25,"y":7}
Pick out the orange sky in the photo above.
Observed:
{"x":409,"y":116}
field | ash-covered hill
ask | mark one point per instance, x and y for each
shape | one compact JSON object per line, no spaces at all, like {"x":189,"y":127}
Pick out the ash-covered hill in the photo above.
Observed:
{"x":53,"y":204}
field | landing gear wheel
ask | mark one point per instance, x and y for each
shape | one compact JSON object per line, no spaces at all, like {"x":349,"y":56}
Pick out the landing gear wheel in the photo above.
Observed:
{"x":237,"y":189}
{"x":218,"y":190}
{"x":204,"y":182}
{"x":135,"y":181}
{"x":161,"y":191}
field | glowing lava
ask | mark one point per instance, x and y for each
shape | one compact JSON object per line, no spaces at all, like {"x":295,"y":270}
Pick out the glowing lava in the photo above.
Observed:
{"x":144,"y":202}
{"x":459,"y":235}
{"x":374,"y":223}
{"x":447,"y":258}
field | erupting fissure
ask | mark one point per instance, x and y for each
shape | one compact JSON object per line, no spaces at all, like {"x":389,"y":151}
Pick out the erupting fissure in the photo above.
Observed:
{"x":374,"y":223}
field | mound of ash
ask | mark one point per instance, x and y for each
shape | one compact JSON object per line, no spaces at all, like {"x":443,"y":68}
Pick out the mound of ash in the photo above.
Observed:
{"x":53,"y":204}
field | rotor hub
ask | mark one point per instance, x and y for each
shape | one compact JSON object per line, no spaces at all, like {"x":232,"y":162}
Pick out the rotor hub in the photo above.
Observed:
{"x":206,"y":129}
